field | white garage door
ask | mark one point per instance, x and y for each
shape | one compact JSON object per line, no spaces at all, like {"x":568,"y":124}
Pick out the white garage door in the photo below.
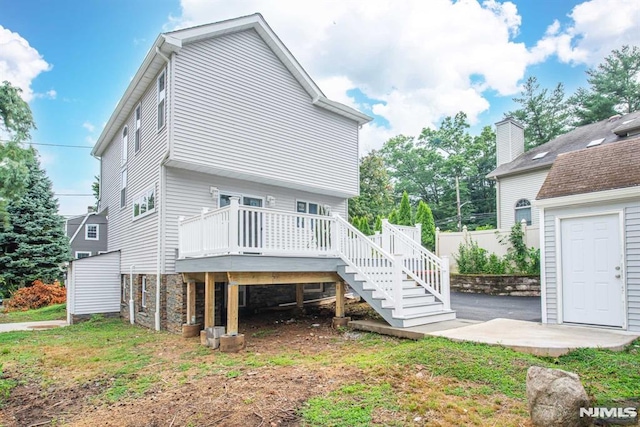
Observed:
{"x":592,"y":286}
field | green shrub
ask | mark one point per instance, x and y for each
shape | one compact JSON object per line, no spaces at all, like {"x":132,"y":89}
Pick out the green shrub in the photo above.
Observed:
{"x":471,"y":258}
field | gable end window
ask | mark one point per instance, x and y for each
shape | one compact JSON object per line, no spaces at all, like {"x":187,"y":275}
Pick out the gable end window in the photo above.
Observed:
{"x":125,"y":144}
{"x":136,"y":136}
{"x":162,"y":91}
{"x":145,"y":203}
{"x":82,"y":254}
{"x":91,"y":232}
{"x":523,"y":211}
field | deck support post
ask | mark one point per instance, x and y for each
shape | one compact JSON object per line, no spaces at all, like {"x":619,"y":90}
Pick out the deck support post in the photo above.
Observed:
{"x":209,"y":300}
{"x":300,"y":296}
{"x":191,"y":302}
{"x":232,"y":310}
{"x":340,"y":320}
{"x":232,"y":341}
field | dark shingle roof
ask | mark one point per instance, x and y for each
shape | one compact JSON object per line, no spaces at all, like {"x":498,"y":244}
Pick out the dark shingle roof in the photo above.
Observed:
{"x":606,"y":167}
{"x":574,"y":140}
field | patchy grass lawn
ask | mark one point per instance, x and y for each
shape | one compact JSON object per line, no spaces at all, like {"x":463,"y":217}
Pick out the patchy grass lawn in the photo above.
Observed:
{"x":292,"y":373}
{"x":52,"y":312}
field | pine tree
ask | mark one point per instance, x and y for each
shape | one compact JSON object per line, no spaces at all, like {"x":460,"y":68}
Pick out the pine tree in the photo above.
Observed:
{"x":364,"y":226}
{"x":33,"y":245}
{"x":393,"y":216}
{"x":404,"y":212}
{"x":378,"y":224}
{"x":424,"y":216}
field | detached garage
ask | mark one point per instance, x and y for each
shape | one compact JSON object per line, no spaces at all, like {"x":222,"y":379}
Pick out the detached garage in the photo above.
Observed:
{"x":93,"y":287}
{"x":590,"y":237}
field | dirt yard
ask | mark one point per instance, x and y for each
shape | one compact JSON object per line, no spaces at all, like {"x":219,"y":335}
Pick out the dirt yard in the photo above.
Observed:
{"x":290,"y":360}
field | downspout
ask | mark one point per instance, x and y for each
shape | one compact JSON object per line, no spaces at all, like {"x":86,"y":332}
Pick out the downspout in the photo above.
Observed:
{"x":162,"y":201}
{"x":131,"y":307}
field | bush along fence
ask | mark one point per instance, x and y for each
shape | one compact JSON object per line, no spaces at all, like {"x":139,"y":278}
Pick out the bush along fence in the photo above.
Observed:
{"x":516,"y":273}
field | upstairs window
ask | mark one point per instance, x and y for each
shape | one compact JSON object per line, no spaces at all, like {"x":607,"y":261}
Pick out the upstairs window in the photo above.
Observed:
{"x":91,"y":232}
{"x":123,"y":189}
{"x":161,"y":99}
{"x":523,"y":211}
{"x":82,"y":254}
{"x":136,"y":136}
{"x":125,"y":144}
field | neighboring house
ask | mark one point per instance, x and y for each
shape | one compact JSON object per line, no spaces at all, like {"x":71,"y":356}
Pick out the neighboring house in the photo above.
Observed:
{"x":519,"y":174}
{"x":222,"y":126}
{"x":87,"y":234}
{"x":590,"y":237}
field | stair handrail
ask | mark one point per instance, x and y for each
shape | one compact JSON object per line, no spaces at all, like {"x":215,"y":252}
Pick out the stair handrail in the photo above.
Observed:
{"x":423,"y":266}
{"x":366,"y":258}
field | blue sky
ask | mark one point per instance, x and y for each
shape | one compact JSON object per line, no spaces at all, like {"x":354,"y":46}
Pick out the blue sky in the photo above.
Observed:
{"x":409,"y":65}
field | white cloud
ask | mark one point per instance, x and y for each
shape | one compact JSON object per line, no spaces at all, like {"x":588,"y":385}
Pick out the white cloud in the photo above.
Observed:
{"x":596,"y":28}
{"x":50,"y":94}
{"x":424,"y":59}
{"x":20,"y":63}
{"x":89,"y":126}
{"x":90,"y":140}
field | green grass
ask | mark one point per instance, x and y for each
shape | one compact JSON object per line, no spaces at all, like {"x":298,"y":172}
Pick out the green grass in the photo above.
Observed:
{"x":350,"y":406}
{"x":52,"y":312}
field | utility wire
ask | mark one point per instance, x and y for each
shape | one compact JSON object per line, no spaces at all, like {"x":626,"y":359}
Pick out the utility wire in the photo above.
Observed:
{"x":50,"y":145}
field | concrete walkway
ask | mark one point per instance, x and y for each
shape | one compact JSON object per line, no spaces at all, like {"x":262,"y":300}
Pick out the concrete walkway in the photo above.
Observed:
{"x":32,"y":326}
{"x":527,"y":337}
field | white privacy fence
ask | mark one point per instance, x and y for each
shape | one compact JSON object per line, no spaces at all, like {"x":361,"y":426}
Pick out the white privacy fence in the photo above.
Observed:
{"x":447,"y":244}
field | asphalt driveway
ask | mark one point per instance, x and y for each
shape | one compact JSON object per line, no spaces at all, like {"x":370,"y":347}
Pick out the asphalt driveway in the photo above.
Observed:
{"x":486,"y":307}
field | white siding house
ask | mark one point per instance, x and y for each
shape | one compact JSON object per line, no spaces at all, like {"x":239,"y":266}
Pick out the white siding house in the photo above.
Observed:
{"x":225,"y":163}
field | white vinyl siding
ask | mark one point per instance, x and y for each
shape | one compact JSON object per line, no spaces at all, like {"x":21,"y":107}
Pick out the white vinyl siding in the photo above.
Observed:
{"x":94,"y":285}
{"x":138,"y":122}
{"x":125,"y":145}
{"x":632,"y":234}
{"x":136,"y":239}
{"x":238,"y":109}
{"x":631,"y":226}
{"x":513,"y":188}
{"x":188,"y":192}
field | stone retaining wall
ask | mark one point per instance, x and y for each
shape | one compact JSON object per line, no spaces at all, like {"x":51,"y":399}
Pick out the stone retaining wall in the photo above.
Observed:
{"x":523,"y":286}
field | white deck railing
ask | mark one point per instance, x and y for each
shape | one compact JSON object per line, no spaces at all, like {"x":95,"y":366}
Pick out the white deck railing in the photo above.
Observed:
{"x":420,"y":264}
{"x":238,"y":229}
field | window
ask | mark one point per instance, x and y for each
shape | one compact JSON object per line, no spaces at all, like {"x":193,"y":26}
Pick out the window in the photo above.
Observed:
{"x":595,"y":142}
{"x":313,"y":288}
{"x":161,"y":99}
{"x":123,"y":189}
{"x":82,"y":254}
{"x":523,"y":211}
{"x":145,"y":203}
{"x":309,"y":208}
{"x":125,"y":144}
{"x":242,"y":296}
{"x":143,"y":291}
{"x":225,"y":200}
{"x":136,"y":136}
{"x":91,"y":232}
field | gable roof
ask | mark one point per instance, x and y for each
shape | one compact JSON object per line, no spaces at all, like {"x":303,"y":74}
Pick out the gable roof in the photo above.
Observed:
{"x":610,"y":131}
{"x":608,"y":167}
{"x":170,"y":42}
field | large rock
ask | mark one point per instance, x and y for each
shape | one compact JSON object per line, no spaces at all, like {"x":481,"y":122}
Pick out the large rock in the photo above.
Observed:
{"x":555,"y":398}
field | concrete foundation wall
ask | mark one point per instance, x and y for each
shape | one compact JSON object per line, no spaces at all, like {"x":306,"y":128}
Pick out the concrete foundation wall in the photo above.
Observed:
{"x":496,"y":284}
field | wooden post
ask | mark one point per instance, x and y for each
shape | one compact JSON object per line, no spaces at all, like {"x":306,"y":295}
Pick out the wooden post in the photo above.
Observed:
{"x":209,"y":300}
{"x":299,"y":295}
{"x":339,"y":298}
{"x":232,"y":310}
{"x":191,"y":302}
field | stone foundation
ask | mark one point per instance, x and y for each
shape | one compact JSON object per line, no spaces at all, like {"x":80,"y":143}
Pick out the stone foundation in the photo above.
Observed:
{"x":528,"y":286}
{"x":77,"y":318}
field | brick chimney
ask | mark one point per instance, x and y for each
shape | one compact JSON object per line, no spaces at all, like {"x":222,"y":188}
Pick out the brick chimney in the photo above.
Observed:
{"x":509,"y":140}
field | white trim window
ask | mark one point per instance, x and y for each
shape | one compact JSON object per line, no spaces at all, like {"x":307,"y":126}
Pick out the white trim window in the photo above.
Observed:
{"x":136,"y":136}
{"x":162,"y":94}
{"x":143,"y":291}
{"x":145,"y":203}
{"x":523,"y":211}
{"x":313,"y":288}
{"x":91,"y":232}
{"x":125,"y":144}
{"x":82,"y":254}
{"x":123,"y":188}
